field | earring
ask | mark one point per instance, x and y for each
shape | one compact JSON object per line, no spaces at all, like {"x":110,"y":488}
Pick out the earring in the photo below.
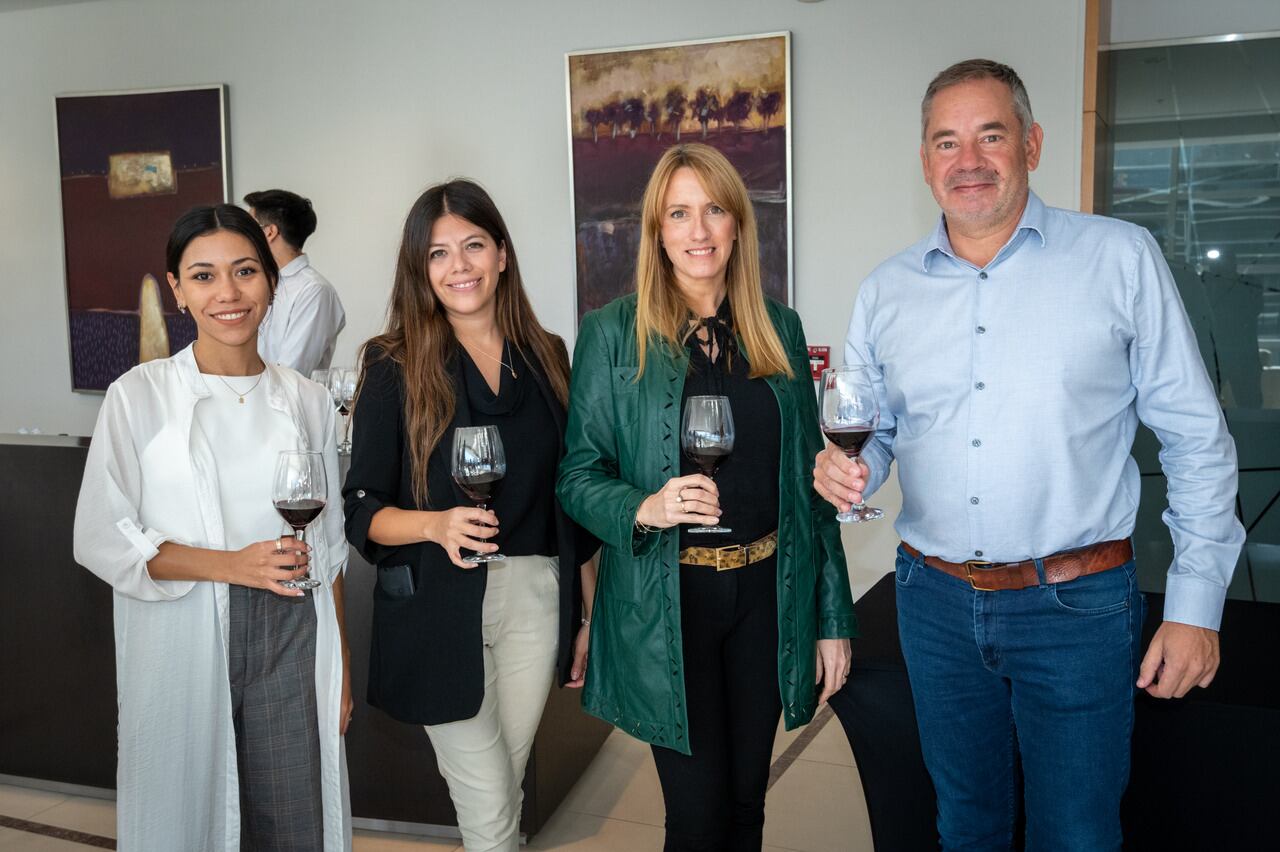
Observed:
{"x":182,"y":309}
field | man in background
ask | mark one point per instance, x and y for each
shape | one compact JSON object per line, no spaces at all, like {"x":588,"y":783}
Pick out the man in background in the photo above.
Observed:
{"x":306,"y":315}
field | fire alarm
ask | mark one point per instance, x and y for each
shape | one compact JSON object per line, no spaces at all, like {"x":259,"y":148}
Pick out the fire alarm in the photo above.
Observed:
{"x":819,"y":360}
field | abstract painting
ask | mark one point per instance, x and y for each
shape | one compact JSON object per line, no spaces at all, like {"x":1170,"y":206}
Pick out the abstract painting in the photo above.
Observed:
{"x":628,"y":105}
{"x":130,"y":164}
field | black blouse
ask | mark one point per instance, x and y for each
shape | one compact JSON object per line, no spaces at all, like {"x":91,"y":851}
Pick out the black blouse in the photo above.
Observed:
{"x":748,"y":477}
{"x":525,"y":500}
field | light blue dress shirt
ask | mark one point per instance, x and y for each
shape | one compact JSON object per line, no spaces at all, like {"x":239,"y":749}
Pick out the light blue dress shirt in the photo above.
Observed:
{"x":1010,"y":395}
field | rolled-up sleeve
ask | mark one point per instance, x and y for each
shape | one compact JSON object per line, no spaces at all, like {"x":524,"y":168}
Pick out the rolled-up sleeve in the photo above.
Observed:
{"x":108,"y":536}
{"x":373,"y":480}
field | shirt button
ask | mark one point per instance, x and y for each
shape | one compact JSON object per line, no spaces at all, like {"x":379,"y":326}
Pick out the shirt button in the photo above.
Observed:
{"x":981,"y":386}
{"x":973,"y":500}
{"x":360,"y":493}
{"x":976,"y":442}
{"x":977,"y":553}
{"x":982,"y":276}
{"x":982,"y":329}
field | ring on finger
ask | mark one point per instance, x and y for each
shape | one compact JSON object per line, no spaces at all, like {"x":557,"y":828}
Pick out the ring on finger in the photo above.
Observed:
{"x":280,"y":544}
{"x":680,"y":496}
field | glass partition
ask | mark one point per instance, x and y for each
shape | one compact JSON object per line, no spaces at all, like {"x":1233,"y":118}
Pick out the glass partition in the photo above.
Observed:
{"x":1196,"y":131}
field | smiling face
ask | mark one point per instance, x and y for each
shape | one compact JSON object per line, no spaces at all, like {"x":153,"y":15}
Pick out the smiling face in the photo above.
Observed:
{"x":975,"y":158}
{"x":697,"y":233}
{"x":222,"y":283}
{"x":463,"y":266}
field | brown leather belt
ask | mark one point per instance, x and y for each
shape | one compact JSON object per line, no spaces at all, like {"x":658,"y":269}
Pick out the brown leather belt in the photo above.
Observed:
{"x":733,"y":555}
{"x":1058,"y":568}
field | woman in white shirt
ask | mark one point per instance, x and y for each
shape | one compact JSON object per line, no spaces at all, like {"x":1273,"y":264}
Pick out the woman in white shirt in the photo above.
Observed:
{"x":233,"y":690}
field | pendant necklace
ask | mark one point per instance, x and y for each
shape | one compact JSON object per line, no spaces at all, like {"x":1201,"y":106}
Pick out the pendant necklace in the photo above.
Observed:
{"x":238,"y":393}
{"x":499,"y":360}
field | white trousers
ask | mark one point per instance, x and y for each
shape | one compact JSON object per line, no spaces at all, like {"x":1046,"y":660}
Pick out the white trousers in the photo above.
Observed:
{"x":483,"y":758}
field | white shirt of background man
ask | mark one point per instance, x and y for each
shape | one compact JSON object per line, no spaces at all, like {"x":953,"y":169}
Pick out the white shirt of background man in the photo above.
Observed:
{"x":305,"y":318}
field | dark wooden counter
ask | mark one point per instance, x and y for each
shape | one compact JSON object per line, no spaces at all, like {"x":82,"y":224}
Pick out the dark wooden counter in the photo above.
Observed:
{"x":57,"y":667}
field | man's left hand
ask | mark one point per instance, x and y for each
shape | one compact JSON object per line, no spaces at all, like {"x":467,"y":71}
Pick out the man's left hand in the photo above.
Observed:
{"x":1180,"y":656}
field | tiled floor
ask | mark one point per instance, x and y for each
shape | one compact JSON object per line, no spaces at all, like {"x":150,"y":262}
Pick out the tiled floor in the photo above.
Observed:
{"x":815,"y":806}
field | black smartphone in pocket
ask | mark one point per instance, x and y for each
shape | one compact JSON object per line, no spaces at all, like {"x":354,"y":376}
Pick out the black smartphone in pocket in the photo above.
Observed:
{"x":396,"y":581}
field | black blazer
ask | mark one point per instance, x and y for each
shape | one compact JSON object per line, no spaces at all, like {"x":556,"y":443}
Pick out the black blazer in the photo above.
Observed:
{"x":425,"y":659}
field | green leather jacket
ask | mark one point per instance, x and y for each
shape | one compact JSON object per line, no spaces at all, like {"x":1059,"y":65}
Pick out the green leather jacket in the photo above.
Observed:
{"x":623,"y":444}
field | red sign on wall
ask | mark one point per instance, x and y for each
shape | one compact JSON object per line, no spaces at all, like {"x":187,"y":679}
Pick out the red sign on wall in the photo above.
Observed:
{"x":819,"y":360}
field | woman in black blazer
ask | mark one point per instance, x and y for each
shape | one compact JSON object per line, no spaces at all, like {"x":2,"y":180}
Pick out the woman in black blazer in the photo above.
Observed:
{"x":468,"y":651}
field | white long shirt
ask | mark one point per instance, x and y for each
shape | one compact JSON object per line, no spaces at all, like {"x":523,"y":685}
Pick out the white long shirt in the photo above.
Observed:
{"x":304,"y":320}
{"x":151,"y":477}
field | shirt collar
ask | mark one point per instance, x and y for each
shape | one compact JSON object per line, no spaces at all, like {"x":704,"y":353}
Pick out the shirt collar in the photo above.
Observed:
{"x":295,"y":266}
{"x":1033,"y":219}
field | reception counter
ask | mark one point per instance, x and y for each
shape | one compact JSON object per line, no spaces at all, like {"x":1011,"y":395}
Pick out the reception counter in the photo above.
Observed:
{"x":57,"y":704}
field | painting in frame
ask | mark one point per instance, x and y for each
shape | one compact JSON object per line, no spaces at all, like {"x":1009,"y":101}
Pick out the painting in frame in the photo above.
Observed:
{"x":130,"y":163}
{"x":628,"y":105}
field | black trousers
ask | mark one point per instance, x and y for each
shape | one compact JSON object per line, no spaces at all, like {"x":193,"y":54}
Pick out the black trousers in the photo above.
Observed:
{"x":715,"y":797}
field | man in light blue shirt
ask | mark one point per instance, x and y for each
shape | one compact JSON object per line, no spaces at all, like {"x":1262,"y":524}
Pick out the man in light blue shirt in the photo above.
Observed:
{"x":1014,"y":351}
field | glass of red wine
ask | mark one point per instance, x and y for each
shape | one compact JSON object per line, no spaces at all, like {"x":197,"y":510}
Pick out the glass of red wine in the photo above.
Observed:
{"x":479,"y":463}
{"x":707,"y":439}
{"x":299,"y":495}
{"x":850,"y":414}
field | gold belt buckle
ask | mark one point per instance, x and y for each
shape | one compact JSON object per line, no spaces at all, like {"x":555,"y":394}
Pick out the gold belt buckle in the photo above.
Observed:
{"x":969,"y":565}
{"x":727,"y":550}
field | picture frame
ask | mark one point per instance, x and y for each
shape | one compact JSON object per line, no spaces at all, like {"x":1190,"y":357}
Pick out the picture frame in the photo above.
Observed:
{"x":129,"y":164}
{"x":626,"y":105}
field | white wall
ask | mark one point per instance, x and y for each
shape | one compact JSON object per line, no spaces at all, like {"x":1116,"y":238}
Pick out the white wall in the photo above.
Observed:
{"x":359,"y":106}
{"x":1160,"y":20}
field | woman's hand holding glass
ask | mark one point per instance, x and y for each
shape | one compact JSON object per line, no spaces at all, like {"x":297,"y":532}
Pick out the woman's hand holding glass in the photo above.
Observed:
{"x":264,"y":565}
{"x":462,"y":528}
{"x":692,"y":499}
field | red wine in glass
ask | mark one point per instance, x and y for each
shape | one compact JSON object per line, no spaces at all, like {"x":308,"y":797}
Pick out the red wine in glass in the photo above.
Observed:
{"x":299,"y":513}
{"x":299,"y":494}
{"x":707,"y":439}
{"x":850,"y":439}
{"x":479,"y":464}
{"x":849,"y":414}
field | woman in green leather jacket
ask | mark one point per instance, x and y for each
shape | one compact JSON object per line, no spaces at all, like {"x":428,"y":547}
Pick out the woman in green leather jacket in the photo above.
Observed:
{"x":700,"y":640}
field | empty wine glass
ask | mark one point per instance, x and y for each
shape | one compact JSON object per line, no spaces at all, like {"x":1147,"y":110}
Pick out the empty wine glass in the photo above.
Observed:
{"x":320,"y":377}
{"x":479,"y":463}
{"x":849,"y":415}
{"x":299,"y":495}
{"x":707,"y":439}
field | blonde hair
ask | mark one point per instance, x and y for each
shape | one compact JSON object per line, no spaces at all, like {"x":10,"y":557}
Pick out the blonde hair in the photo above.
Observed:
{"x":661,"y":313}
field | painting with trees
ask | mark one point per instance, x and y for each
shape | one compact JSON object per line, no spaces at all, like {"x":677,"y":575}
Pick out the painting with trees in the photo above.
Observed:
{"x":628,"y":105}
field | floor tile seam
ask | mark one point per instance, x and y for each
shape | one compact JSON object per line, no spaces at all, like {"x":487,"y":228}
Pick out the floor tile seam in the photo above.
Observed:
{"x":70,"y":835}
{"x":614,"y":818}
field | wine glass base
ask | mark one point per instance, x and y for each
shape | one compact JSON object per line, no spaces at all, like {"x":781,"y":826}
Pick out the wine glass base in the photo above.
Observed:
{"x":302,"y":583}
{"x":716,"y":529}
{"x":857,"y":516}
{"x":477,"y":558}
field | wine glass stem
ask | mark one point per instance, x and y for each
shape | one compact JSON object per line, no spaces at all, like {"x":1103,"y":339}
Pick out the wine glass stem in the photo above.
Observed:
{"x":861,"y":504}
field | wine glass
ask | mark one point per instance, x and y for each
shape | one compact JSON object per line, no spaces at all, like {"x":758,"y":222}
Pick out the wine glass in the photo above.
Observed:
{"x":479,"y":463}
{"x":299,"y":495}
{"x":342,"y":387}
{"x":707,"y":439}
{"x":320,"y":377}
{"x":850,"y":414}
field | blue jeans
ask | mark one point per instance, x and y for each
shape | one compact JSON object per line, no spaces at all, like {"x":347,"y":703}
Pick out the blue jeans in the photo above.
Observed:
{"x":1046,"y":673}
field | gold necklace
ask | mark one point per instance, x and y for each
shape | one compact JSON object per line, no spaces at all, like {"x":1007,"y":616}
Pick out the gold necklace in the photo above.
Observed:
{"x":499,"y":360}
{"x":238,"y":393}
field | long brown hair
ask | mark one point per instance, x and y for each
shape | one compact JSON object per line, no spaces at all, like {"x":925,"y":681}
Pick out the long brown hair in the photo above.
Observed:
{"x":420,"y":338}
{"x":660,"y":310}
